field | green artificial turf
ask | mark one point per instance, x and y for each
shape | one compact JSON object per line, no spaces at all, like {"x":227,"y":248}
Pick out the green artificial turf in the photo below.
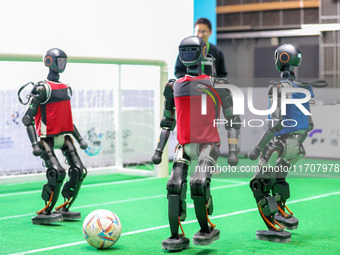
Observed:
{"x":141,"y":205}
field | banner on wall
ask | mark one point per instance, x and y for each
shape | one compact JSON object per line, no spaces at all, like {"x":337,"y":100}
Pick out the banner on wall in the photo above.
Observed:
{"x":97,"y":128}
{"x":324,"y":140}
{"x":15,"y":148}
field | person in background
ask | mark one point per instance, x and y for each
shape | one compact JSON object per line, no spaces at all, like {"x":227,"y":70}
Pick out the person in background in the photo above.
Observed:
{"x":203,"y":30}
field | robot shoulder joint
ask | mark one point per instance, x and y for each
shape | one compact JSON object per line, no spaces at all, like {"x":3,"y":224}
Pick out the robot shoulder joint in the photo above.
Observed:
{"x":42,"y":92}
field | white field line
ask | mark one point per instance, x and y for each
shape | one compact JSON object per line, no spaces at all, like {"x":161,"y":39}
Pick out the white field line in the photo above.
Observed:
{"x":166,"y":226}
{"x":83,"y":186}
{"x":227,"y":180}
{"x":117,"y":202}
{"x":108,"y":183}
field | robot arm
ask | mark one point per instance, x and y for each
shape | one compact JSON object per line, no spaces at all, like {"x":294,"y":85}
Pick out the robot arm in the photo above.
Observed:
{"x":232,"y":125}
{"x":39,"y":94}
{"x":310,"y":123}
{"x":310,"y":120}
{"x":273,"y":127}
{"x":168,"y":123}
{"x":80,"y":140}
{"x":310,"y":127}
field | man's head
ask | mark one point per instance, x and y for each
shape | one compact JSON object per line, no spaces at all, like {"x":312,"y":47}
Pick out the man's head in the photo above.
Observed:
{"x":203,"y":29}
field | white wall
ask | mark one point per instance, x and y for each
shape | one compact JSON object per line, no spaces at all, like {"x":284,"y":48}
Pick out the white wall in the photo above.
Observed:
{"x":102,"y":28}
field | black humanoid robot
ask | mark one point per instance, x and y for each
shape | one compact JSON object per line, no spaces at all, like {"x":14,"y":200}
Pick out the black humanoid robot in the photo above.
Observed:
{"x":198,"y":139}
{"x":50,"y":111}
{"x":279,"y":148}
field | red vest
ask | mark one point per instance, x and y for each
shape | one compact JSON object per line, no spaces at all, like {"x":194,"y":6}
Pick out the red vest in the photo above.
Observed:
{"x":192,"y":125}
{"x":55,"y":117}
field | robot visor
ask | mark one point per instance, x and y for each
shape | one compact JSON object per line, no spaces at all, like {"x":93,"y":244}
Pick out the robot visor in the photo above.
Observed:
{"x":190,"y":53}
{"x":62,"y":63}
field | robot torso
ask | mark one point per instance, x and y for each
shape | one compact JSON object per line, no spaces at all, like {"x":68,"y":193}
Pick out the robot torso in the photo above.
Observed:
{"x":54,"y":117}
{"x":197,"y":104}
{"x":293,"y":112}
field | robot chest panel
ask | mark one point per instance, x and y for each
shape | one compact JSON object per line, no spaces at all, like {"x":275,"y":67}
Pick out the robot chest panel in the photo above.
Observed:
{"x":59,"y":93}
{"x":191,"y":88}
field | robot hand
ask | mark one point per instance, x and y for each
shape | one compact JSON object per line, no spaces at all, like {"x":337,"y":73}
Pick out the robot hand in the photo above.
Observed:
{"x":36,"y":149}
{"x":83,"y":144}
{"x":254,"y":154}
{"x":157,"y":157}
{"x":233,"y":159}
{"x":168,"y":123}
{"x":310,"y":127}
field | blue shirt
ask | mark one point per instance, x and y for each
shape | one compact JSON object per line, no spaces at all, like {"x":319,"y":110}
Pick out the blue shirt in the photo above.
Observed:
{"x":293,"y":112}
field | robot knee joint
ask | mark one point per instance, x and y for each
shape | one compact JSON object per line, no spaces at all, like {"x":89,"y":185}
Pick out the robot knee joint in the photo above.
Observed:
{"x":54,"y":179}
{"x":174,"y":186}
{"x":199,"y":186}
{"x":55,"y":175}
{"x":259,"y":187}
{"x":77,"y":173}
{"x":281,"y":188}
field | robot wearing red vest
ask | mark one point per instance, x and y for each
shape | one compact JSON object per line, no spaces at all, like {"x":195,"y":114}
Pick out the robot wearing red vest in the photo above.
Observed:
{"x":197,"y":104}
{"x":50,"y":111}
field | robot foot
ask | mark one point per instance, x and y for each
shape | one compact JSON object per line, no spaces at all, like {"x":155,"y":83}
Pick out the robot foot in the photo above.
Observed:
{"x":68,"y":215}
{"x":274,"y":236}
{"x":289,"y":223}
{"x":176,"y":244}
{"x":46,"y":219}
{"x":201,"y":238}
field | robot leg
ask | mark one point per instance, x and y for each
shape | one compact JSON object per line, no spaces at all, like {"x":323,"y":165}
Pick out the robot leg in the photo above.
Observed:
{"x":200,"y":193}
{"x":270,"y":155}
{"x":55,"y":175}
{"x":281,"y":191}
{"x":77,"y":173}
{"x":294,"y":151}
{"x":177,"y":189}
{"x":261,"y":186}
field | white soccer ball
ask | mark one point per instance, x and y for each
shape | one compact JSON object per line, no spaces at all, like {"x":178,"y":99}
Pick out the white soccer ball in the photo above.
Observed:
{"x":102,"y":228}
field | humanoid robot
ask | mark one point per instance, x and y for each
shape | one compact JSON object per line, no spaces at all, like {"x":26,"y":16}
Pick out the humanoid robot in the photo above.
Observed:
{"x":50,"y":111}
{"x":279,"y":148}
{"x":198,"y":139}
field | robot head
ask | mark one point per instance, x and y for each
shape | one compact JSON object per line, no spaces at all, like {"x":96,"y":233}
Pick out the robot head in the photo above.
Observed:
{"x":56,"y":60}
{"x":192,"y":50}
{"x":287,"y":55}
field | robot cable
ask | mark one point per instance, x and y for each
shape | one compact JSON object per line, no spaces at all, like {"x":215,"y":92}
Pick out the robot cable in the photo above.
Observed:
{"x":49,"y":202}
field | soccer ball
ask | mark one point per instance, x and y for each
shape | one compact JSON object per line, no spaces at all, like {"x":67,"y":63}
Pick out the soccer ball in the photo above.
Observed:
{"x":102,"y":228}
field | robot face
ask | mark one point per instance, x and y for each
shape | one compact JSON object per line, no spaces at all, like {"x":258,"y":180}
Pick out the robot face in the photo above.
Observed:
{"x":191,"y":50}
{"x":189,"y":54}
{"x":61,"y":64}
